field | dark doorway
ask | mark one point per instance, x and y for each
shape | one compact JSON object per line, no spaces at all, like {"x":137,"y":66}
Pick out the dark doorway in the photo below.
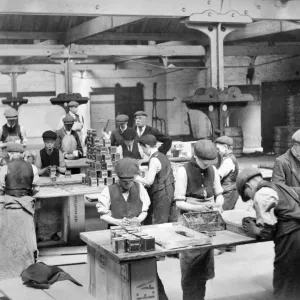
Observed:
{"x":273,"y":108}
{"x":128,"y":100}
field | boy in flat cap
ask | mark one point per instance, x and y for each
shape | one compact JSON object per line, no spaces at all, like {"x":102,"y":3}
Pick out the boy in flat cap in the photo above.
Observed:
{"x":287,"y":166}
{"x":228,"y":171}
{"x":49,"y":156}
{"x":116,"y":137}
{"x":126,"y":201}
{"x":198,"y":189}
{"x":143,"y":129}
{"x":130,"y":147}
{"x":160,"y":182}
{"x":12,"y":131}
{"x":78,"y":125}
{"x":19,"y":181}
{"x":277,"y":209}
{"x":68,"y":140}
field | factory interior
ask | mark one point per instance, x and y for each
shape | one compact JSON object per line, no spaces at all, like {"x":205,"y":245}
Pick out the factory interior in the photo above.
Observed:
{"x":166,"y":95}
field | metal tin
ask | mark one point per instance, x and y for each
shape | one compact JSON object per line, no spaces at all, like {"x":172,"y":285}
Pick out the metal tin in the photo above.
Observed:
{"x":133,"y":244}
{"x":103,"y":150}
{"x":105,"y":181}
{"x":113,"y":157}
{"x":109,"y":173}
{"x":119,"y":245}
{"x":97,"y":165}
{"x":93,"y":182}
{"x":118,"y":156}
{"x":98,"y":157}
{"x":109,"y":181}
{"x":93,"y":174}
{"x":100,"y":181}
{"x":103,"y":166}
{"x":113,"y":150}
{"x":83,"y":179}
{"x":147,"y":243}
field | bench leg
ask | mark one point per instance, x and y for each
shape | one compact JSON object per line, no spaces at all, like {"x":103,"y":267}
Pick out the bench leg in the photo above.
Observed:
{"x":110,"y":280}
{"x":74,"y":219}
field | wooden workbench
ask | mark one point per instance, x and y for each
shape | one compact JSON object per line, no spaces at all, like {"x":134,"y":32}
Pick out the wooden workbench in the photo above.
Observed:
{"x":132,"y":276}
{"x":72,"y":197}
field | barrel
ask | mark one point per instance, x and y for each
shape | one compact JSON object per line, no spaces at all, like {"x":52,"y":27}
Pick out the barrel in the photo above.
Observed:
{"x":283,"y":138}
{"x":236,"y":133}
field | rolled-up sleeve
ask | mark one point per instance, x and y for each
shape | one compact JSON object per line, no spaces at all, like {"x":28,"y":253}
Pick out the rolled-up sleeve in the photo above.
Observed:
{"x":3,"y":173}
{"x":103,"y":205}
{"x":218,"y":190}
{"x":62,"y":162}
{"x":154,"y":168}
{"x":36,"y":177}
{"x":226,"y":167}
{"x":144,"y":198}
{"x":180,"y":184}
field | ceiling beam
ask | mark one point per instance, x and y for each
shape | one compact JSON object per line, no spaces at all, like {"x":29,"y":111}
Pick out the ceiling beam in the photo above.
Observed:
{"x":30,"y":35}
{"x":256,"y":9}
{"x":261,"y":28}
{"x":124,"y":50}
{"x":96,"y":26}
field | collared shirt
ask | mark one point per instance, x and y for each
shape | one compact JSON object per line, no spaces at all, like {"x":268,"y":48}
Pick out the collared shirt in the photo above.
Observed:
{"x":120,"y":150}
{"x":104,"y":200}
{"x":35,"y":183}
{"x":182,"y":181}
{"x":262,"y":201}
{"x":226,"y":167}
{"x":23,"y":133}
{"x":154,"y":168}
{"x":122,"y":130}
{"x":38,"y":160}
{"x":140,"y":131}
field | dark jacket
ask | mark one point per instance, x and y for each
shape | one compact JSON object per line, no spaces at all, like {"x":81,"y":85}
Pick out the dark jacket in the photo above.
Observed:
{"x":60,"y":135}
{"x":287,"y":171}
{"x":132,"y":154}
{"x":11,"y":131}
{"x":163,"y":138}
{"x":116,"y":137}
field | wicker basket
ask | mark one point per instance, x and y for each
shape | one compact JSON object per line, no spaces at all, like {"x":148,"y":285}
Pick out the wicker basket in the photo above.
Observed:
{"x":204,"y":221}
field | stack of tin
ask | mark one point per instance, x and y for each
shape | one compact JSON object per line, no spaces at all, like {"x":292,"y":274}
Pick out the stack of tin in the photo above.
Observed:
{"x":103,"y":158}
{"x":130,"y":239}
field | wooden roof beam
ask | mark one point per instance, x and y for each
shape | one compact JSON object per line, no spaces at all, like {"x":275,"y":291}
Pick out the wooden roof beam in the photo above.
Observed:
{"x":96,"y":26}
{"x":30,"y":35}
{"x":255,"y":9}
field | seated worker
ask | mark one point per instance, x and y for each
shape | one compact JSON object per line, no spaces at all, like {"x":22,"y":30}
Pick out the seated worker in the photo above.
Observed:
{"x":287,"y":166}
{"x":19,"y":181}
{"x":12,"y":131}
{"x":277,"y":209}
{"x":197,"y":189}
{"x":68,"y":140}
{"x":130,"y":147}
{"x":49,"y":156}
{"x":160,"y":183}
{"x":228,"y":171}
{"x":116,"y":137}
{"x":126,"y":201}
{"x":142,"y":129}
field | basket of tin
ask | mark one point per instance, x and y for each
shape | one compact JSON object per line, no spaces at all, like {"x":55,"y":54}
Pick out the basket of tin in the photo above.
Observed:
{"x":204,"y":221}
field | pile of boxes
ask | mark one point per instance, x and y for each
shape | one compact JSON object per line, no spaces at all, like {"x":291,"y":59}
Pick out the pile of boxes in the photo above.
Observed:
{"x":103,"y":158}
{"x":130,"y":239}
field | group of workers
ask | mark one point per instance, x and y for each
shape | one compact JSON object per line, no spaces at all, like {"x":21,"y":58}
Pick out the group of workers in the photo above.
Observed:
{"x":201,"y":185}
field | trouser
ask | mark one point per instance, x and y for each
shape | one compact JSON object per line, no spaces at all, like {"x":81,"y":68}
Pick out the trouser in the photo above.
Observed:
{"x":230,"y":199}
{"x":163,"y":207}
{"x":197,"y":266}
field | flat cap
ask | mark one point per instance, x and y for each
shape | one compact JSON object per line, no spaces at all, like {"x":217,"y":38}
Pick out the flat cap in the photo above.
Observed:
{"x":11,"y":113}
{"x":129,"y":134}
{"x":49,"y":134}
{"x":225,"y":140}
{"x":73,"y":103}
{"x":68,"y":119}
{"x":127,"y":168}
{"x":148,"y":139}
{"x":140,"y":113}
{"x":296,"y":136}
{"x":14,"y":147}
{"x":243,"y":178}
{"x":206,"y":150}
{"x":122,"y":118}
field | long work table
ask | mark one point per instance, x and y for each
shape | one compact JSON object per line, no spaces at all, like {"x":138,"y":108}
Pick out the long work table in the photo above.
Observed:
{"x":132,"y":276}
{"x":72,"y":193}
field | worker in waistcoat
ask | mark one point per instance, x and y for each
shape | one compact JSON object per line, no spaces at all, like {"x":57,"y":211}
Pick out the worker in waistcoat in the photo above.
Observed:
{"x":116,"y":137}
{"x":142,"y":129}
{"x":160,"y":183}
{"x":130,"y":146}
{"x":198,"y":189}
{"x":228,"y":171}
{"x":49,"y":156}
{"x":78,"y":125}
{"x":19,"y":181}
{"x":277,"y":209}
{"x":12,"y":131}
{"x":126,"y":201}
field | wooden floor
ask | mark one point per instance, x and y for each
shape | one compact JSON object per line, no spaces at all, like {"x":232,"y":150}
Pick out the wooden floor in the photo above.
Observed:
{"x":243,"y":275}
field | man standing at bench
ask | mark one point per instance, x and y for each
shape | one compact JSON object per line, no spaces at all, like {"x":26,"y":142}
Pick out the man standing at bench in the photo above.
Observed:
{"x":19,"y":181}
